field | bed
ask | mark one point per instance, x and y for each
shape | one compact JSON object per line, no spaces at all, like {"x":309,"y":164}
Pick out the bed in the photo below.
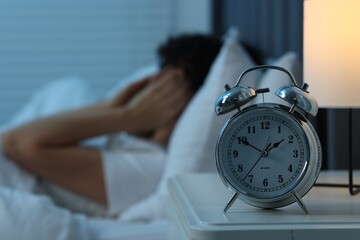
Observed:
{"x":255,"y":32}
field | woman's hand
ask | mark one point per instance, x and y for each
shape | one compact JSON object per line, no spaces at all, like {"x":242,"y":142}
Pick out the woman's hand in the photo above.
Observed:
{"x":160,"y":100}
{"x":129,"y":92}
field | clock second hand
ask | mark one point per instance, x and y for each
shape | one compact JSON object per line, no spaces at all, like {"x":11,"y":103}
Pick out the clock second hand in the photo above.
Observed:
{"x":263,"y":154}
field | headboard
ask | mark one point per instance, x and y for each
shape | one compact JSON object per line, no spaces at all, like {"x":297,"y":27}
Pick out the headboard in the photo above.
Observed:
{"x":268,"y":28}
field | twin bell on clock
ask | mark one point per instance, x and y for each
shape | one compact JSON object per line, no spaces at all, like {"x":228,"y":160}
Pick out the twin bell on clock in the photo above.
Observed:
{"x":268,"y":154}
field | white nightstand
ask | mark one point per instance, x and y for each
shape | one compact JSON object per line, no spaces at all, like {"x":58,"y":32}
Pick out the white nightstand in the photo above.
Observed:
{"x":197,"y":202}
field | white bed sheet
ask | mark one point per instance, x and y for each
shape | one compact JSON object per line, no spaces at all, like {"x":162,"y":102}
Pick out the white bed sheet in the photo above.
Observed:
{"x":107,"y":229}
{"x":25,"y":216}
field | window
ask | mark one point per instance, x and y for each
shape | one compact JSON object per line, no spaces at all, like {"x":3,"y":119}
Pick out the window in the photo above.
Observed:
{"x":98,"y":40}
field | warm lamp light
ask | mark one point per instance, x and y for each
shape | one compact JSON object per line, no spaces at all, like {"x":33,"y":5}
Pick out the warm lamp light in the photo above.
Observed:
{"x":332,"y":56}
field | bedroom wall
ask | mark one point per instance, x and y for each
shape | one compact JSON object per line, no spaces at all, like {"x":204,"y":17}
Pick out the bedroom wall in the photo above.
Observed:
{"x":99,"y":41}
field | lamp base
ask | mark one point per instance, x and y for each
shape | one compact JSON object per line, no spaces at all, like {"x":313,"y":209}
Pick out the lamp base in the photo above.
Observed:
{"x":353,"y":188}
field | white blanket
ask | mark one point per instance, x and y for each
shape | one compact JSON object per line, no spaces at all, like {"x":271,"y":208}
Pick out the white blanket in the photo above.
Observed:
{"x":26,"y":216}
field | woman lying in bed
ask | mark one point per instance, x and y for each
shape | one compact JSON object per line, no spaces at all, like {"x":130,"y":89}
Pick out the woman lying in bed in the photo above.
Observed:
{"x":106,"y":180}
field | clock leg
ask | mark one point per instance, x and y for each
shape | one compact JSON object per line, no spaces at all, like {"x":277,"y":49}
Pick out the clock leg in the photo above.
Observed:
{"x":300,"y":202}
{"x":231,"y":201}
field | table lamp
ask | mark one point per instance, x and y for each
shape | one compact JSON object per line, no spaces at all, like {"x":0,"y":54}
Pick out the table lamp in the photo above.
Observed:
{"x":332,"y":60}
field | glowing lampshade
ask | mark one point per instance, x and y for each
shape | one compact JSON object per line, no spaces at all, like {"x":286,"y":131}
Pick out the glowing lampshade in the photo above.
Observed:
{"x":332,"y":51}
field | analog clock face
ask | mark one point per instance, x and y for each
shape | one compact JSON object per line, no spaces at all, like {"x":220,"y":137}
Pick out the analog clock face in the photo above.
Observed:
{"x":263,"y":152}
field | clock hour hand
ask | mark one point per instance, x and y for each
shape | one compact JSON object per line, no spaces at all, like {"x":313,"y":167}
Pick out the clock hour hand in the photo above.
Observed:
{"x":246,"y":142}
{"x":275,"y":145}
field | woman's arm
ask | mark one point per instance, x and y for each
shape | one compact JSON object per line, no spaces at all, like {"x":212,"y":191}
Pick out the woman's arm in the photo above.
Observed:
{"x":73,"y":126}
{"x":49,"y":147}
{"x":143,"y":106}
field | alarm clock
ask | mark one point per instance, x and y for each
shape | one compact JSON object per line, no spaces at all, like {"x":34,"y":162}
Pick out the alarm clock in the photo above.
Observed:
{"x":268,"y":154}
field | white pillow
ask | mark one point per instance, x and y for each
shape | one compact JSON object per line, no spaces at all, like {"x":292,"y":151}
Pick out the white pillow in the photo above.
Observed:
{"x":275,"y":79}
{"x":192,"y":144}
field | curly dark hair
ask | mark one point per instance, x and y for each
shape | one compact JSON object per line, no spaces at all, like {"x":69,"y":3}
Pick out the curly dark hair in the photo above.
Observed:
{"x":192,"y":52}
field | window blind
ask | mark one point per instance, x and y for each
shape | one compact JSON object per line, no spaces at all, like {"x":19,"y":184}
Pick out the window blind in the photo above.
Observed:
{"x":98,"y":40}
